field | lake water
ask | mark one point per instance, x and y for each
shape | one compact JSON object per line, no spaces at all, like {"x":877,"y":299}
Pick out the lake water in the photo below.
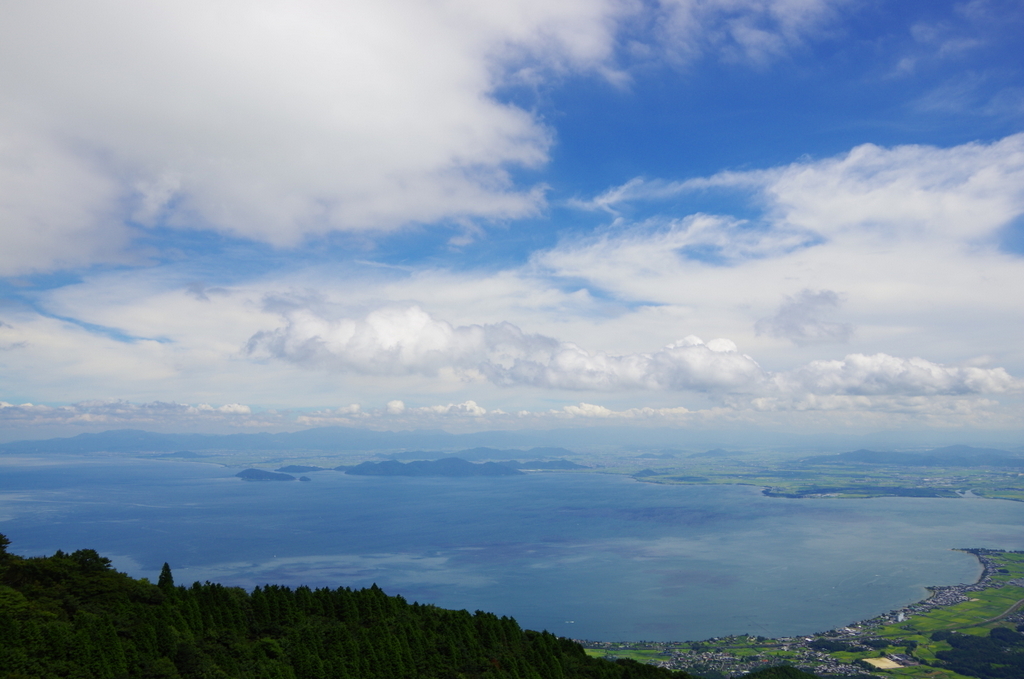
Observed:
{"x":583,"y":555}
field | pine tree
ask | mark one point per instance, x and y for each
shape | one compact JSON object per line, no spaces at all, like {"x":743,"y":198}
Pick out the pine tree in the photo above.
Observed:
{"x":166,"y":581}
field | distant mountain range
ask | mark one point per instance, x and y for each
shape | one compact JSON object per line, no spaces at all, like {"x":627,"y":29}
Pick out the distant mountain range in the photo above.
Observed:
{"x":301,"y":469}
{"x":950,"y":456}
{"x":327,"y":439}
{"x":449,"y":466}
{"x":479,"y":453}
{"x":263,"y":475}
{"x":543,"y":464}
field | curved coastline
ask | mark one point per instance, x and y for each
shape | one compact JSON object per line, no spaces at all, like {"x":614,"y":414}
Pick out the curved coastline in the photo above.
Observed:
{"x":885,"y":642}
{"x":943,"y":595}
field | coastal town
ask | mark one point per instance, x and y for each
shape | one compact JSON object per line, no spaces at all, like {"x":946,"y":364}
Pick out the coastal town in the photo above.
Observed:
{"x":872,"y":647}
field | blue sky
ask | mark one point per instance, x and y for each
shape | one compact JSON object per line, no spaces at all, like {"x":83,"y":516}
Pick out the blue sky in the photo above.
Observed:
{"x":786,"y":215}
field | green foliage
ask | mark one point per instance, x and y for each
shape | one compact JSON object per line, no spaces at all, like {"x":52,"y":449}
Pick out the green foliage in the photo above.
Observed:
{"x":71,"y":615}
{"x":829,"y":645}
{"x":1000,"y":655}
{"x":166,"y":580}
{"x":780,"y":672}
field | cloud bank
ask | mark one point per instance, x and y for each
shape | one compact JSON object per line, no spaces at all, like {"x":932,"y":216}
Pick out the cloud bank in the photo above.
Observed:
{"x":407,"y":340}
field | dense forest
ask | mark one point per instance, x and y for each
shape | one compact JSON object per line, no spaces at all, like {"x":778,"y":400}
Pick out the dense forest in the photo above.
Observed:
{"x":72,"y":615}
{"x":1000,"y":655}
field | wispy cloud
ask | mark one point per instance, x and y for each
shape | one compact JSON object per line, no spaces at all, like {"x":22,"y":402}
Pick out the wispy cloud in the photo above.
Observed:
{"x":963,"y":192}
{"x":754,"y":31}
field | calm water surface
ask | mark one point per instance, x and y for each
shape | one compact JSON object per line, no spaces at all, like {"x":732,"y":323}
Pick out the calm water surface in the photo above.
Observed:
{"x":584,"y":555}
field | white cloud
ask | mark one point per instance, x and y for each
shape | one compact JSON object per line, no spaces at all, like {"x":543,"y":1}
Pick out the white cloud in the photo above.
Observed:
{"x":56,"y":209}
{"x":920,"y":275}
{"x":858,"y":374}
{"x":910,"y":235}
{"x":116,"y":414}
{"x":407,"y":340}
{"x":465,"y":409}
{"x":961,"y":194}
{"x":652,"y":247}
{"x":591,"y":411}
{"x":278,"y":121}
{"x":830,"y":413}
{"x":743,"y":30}
{"x":275,"y":120}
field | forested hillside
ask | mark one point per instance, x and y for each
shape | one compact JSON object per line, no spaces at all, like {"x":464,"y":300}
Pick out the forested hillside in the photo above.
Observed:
{"x":72,"y":615}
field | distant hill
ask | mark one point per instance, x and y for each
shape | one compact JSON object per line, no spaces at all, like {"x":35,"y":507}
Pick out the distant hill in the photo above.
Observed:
{"x":717,"y":452}
{"x":182,"y":454}
{"x":449,"y":466}
{"x":262,"y":475}
{"x":329,"y":439}
{"x":949,"y":456}
{"x":300,"y":469}
{"x":543,"y":464}
{"x":479,"y":453}
{"x":321,"y":438}
{"x":661,"y":454}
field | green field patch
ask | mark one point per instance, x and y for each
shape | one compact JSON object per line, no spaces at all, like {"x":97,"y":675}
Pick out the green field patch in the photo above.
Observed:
{"x":640,"y":655}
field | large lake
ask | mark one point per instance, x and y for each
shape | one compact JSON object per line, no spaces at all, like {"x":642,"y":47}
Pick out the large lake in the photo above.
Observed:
{"x":583,"y":555}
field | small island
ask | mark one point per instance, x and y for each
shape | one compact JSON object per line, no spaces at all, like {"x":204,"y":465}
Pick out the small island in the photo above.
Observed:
{"x":263,"y":475}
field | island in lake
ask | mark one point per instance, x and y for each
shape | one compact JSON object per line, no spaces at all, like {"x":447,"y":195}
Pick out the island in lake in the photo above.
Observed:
{"x":263,"y":475}
{"x":449,"y":466}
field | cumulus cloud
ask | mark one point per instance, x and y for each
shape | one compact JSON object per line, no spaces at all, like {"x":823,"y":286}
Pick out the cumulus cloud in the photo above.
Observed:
{"x":858,"y":374}
{"x":807,"y":412}
{"x":120,"y":413}
{"x":407,"y":340}
{"x":803,"y":319}
{"x":592,"y":411}
{"x":276,"y":120}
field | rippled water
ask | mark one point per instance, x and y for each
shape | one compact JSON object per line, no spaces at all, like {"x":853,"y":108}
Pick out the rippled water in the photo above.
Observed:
{"x":585,"y":555}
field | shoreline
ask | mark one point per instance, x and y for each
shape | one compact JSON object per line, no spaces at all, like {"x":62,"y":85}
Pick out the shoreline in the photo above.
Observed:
{"x":733,"y":655}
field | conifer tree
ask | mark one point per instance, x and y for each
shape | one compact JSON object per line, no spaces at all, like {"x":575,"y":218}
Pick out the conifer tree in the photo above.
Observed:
{"x":166,"y":581}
